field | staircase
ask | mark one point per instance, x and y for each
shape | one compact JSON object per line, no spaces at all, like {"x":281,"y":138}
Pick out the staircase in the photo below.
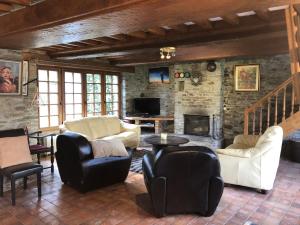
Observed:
{"x":282,"y":105}
{"x":276,"y":108}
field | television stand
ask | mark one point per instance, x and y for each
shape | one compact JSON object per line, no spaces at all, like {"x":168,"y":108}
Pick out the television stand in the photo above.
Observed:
{"x":157,"y":121}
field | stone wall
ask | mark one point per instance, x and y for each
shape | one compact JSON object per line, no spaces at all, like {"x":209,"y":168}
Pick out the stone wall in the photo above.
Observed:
{"x":138,"y":84}
{"x":17,"y":111}
{"x":215,"y":92}
{"x":273,"y":71}
{"x":204,"y":99}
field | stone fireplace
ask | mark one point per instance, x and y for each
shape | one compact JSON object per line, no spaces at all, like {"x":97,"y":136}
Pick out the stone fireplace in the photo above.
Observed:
{"x":196,"y":125}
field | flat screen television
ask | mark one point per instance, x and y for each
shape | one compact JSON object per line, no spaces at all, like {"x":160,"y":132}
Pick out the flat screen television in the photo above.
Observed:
{"x":147,"y":106}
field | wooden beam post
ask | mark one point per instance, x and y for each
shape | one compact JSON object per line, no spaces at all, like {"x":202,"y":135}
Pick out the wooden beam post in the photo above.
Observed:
{"x":293,"y":25}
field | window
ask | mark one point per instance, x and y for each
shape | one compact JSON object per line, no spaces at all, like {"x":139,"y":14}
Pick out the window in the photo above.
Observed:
{"x":112,"y":94}
{"x":93,"y":94}
{"x":73,"y":95}
{"x":48,"y":98}
{"x":66,"y":95}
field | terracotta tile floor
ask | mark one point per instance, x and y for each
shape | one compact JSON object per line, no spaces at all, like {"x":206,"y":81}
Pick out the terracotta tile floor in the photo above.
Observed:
{"x":129,"y":204}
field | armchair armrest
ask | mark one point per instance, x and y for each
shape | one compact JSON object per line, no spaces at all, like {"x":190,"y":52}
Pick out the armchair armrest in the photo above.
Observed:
{"x":148,"y":164}
{"x":249,"y":140}
{"x":241,"y":153}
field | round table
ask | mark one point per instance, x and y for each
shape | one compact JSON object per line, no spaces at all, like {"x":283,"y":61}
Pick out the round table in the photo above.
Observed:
{"x":158,"y":143}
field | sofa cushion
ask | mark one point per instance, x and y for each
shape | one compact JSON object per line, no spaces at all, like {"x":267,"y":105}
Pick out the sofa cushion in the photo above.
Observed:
{"x":98,"y":127}
{"x":238,"y":146}
{"x":112,"y":124}
{"x":14,"y":151}
{"x":242,"y":153}
{"x":105,"y":148}
{"x":80,"y":126}
{"x":129,"y":138}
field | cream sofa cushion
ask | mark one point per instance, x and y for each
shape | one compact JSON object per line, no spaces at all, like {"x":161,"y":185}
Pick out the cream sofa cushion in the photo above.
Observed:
{"x":79,"y":126}
{"x":105,"y":148}
{"x":112,"y":124}
{"x":14,"y":151}
{"x":129,"y":138}
{"x":243,"y":153}
{"x":98,"y":127}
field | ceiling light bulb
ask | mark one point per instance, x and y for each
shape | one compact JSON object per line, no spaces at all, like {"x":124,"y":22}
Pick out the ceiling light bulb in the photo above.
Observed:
{"x":168,"y":56}
{"x":162,"y":56}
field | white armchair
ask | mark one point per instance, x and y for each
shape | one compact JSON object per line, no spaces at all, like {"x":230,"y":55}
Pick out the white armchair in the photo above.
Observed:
{"x":252,"y":160}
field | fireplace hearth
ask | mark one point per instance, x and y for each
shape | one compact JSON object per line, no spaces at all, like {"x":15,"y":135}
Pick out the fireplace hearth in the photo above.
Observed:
{"x":196,"y":125}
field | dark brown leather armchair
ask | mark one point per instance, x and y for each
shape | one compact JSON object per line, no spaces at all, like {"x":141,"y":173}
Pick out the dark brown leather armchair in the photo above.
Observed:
{"x":183,"y":180}
{"x":79,"y":169}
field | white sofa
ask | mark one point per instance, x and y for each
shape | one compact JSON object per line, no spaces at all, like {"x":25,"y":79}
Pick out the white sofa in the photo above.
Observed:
{"x":105,"y":128}
{"x":252,"y":161}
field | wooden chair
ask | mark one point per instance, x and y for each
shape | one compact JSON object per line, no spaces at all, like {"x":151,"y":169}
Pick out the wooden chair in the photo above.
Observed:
{"x":18,"y":171}
{"x":40,"y":148}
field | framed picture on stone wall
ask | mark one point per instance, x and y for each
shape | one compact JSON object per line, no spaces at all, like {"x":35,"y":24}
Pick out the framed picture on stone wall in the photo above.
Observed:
{"x":246,"y":77}
{"x":10,"y":77}
{"x":159,"y":75}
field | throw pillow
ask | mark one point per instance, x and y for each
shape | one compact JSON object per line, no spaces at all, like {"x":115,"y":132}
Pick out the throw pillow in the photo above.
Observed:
{"x":105,"y":148}
{"x":14,"y":151}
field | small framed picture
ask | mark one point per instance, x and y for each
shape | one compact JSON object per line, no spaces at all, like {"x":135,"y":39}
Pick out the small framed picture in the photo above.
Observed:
{"x":247,"y":77}
{"x":10,"y":77}
{"x":159,"y":75}
{"x":24,"y":77}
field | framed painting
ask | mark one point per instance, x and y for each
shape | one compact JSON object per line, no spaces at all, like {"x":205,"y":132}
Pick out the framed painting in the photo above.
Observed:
{"x":10,"y":77}
{"x":246,"y":77}
{"x":159,"y":75}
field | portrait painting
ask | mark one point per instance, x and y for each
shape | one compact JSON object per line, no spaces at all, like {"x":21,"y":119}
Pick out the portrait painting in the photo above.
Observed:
{"x":10,"y":77}
{"x":159,"y":75}
{"x":247,"y":77}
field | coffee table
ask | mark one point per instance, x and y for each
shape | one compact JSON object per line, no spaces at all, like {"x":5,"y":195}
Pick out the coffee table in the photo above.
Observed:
{"x":158,"y":143}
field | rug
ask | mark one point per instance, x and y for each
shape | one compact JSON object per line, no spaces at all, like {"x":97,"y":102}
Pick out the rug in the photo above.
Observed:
{"x":137,"y":158}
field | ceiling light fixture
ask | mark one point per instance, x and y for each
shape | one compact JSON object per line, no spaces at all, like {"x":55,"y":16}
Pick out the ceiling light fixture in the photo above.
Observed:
{"x":167,"y":52}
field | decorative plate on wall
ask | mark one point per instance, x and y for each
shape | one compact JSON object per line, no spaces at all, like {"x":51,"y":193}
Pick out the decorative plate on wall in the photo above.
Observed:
{"x":196,"y":79}
{"x":187,"y":75}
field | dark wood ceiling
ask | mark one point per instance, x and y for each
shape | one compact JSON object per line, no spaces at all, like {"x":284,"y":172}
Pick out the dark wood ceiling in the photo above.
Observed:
{"x":130,"y":32}
{"x":7,"y":6}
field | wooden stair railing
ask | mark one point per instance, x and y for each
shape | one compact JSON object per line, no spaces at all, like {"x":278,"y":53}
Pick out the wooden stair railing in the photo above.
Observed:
{"x":280,"y":104}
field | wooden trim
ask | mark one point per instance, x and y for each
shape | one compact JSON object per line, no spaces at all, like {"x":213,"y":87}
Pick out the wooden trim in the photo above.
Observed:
{"x":61,"y":91}
{"x":103,"y":94}
{"x":120,"y":96}
{"x":83,"y":66}
{"x":291,"y":31}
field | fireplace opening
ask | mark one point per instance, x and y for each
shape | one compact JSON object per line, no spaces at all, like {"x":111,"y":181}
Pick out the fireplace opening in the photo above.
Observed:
{"x":196,"y":125}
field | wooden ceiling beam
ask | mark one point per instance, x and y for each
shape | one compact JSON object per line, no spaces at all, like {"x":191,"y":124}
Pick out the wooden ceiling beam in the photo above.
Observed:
{"x":139,"y":34}
{"x":221,"y":49}
{"x":158,"y":31}
{"x":18,"y":2}
{"x":74,"y":44}
{"x":90,"y":42}
{"x":205,"y":24}
{"x":263,"y":14}
{"x":66,"y":46}
{"x":180,"y":28}
{"x":231,"y":19}
{"x":105,"y":40}
{"x":247,"y":27}
{"x":52,"y":22}
{"x":120,"y":37}
{"x":5,"y":7}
